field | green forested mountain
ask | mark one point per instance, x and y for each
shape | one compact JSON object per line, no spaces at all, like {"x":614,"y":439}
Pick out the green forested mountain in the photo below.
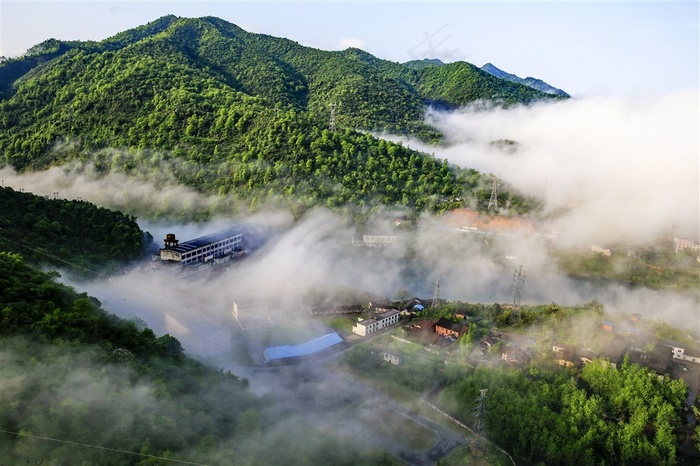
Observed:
{"x":57,"y":232}
{"x":239,"y":114}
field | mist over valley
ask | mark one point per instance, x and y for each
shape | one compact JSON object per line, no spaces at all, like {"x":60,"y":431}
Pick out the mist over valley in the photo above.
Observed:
{"x":222,"y":247}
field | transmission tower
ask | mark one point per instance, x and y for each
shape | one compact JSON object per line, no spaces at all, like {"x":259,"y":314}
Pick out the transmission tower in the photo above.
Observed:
{"x":436,"y":293}
{"x":493,"y":202}
{"x":519,"y":281}
{"x":331,"y":124}
{"x":480,"y":412}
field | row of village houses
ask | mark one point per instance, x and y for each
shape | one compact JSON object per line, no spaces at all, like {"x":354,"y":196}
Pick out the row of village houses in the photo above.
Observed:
{"x":644,"y":351}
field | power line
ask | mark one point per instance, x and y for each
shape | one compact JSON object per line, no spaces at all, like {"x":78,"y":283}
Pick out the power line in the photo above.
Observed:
{"x":98,"y":447}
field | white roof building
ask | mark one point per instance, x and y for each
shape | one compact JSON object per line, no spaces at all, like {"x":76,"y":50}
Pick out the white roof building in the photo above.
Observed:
{"x":378,"y":322}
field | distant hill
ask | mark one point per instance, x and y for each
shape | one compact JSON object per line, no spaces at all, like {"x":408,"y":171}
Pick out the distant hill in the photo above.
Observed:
{"x":239,"y":114}
{"x":534,"y":83}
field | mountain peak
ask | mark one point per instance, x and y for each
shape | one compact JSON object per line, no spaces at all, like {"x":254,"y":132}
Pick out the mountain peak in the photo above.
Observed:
{"x":529,"y":81}
{"x":424,"y":63}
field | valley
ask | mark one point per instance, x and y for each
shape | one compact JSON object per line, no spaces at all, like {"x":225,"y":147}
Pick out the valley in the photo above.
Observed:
{"x":222,"y":246}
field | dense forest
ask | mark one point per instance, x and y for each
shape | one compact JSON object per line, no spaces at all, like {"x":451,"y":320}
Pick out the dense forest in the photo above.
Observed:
{"x":242,"y":115}
{"x":82,"y":386}
{"x":605,"y":416}
{"x":58,"y":231}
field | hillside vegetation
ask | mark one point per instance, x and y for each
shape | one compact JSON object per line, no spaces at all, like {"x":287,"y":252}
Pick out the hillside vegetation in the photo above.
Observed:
{"x":658,"y":267}
{"x":56,"y":232}
{"x":239,"y":114}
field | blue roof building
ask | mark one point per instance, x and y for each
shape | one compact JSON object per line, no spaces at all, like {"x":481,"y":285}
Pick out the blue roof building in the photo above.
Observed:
{"x":286,"y":352}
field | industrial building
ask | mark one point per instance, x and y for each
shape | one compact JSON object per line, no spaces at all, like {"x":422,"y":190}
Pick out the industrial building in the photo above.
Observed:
{"x":378,"y":322}
{"x":217,"y":247}
{"x":375,"y":241}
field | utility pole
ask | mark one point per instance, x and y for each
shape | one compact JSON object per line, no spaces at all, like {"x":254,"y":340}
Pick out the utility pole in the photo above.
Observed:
{"x":480,"y":412}
{"x":519,"y":280}
{"x":331,"y":124}
{"x":493,"y":202}
{"x":436,"y":293}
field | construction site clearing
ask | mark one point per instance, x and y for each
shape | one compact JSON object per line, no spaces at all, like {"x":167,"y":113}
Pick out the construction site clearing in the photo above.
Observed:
{"x":470,"y":221}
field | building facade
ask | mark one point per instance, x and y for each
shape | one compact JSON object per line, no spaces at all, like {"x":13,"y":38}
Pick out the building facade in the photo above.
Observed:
{"x":375,"y":241}
{"x":392,"y":358}
{"x":203,"y":249}
{"x":684,"y":355}
{"x":378,"y":322}
{"x":684,"y":243}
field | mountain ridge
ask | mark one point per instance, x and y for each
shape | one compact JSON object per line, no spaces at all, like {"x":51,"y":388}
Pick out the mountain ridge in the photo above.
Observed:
{"x":534,"y":83}
{"x":241,"y":113}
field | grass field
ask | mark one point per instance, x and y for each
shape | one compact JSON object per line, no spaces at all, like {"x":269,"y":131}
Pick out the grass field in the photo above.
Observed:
{"x":402,"y":429}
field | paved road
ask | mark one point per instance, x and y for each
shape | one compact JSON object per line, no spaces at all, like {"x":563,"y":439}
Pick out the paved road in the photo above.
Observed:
{"x":339,"y":402}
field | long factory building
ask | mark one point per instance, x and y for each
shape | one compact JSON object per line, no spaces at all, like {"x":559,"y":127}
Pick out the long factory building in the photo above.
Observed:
{"x":203,"y":249}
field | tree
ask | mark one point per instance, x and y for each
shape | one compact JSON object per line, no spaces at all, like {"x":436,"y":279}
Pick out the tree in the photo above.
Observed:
{"x":402,"y":294}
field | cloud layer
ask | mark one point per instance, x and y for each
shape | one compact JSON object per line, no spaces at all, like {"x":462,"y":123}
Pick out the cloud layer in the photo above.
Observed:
{"x":620,"y":170}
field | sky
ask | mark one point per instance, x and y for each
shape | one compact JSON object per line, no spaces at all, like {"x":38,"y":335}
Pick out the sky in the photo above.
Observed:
{"x":592,"y":48}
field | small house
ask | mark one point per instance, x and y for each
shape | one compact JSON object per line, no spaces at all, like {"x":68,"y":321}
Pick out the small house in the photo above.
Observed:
{"x":392,"y":358}
{"x":615,"y":350}
{"x":514,"y":355}
{"x":559,"y":348}
{"x":447,"y":328}
{"x":587,"y":356}
{"x":686,"y":355}
{"x":563,"y":355}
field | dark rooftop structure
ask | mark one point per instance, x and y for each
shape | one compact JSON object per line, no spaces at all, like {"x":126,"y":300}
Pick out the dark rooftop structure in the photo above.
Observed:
{"x":417,"y":304}
{"x":205,"y":240}
{"x":203,"y":249}
{"x":657,"y":359}
{"x":586,"y":356}
{"x":615,"y":350}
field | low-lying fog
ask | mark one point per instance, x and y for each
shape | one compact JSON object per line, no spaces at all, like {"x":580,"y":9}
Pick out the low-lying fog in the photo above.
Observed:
{"x":612,"y":171}
{"x":316,"y":254}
